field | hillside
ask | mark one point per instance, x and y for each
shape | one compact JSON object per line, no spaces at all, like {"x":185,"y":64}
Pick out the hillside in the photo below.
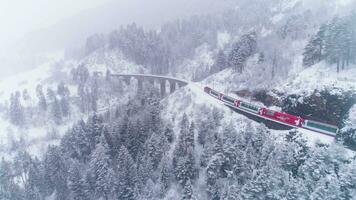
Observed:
{"x":71,"y":131}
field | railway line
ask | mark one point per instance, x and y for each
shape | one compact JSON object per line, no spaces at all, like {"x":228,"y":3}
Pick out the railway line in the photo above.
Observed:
{"x":248,"y":108}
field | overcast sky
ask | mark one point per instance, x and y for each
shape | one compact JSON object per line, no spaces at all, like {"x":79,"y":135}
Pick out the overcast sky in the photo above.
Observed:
{"x":18,"y":17}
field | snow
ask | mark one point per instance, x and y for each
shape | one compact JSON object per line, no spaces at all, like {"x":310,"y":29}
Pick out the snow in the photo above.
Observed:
{"x":26,"y":80}
{"x":223,"y":39}
{"x":103,"y":59}
{"x":320,"y":77}
{"x":276,"y":18}
{"x":35,"y":139}
{"x":350,"y":122}
{"x":254,"y":77}
{"x":200,"y":64}
{"x":265,"y":32}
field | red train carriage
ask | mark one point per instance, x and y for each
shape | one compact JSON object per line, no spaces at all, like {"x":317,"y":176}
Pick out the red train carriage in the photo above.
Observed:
{"x":282,"y":117}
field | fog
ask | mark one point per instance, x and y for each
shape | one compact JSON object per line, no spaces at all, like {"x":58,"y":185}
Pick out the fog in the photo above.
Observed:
{"x":33,"y":27}
{"x":19,"y":17}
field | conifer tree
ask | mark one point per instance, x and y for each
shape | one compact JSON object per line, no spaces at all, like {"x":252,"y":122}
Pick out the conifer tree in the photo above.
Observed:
{"x":127,"y":175}
{"x":101,"y":168}
{"x":76,"y":184}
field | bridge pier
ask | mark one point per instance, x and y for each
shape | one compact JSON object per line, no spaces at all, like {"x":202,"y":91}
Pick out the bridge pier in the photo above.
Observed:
{"x":163,"y":87}
{"x":139,"y":84}
{"x":180,"y":84}
{"x":151,"y":81}
{"x":127,"y":80}
{"x":174,"y":83}
{"x":172,"y":86}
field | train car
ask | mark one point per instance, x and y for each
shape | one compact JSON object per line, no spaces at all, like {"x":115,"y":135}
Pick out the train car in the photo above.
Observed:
{"x":249,"y":107}
{"x":320,"y":127}
{"x":276,"y":116}
{"x":229,"y":100}
{"x":212,"y":92}
{"x":282,"y":117}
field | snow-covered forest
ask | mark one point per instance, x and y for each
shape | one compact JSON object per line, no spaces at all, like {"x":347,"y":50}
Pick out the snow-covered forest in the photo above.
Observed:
{"x":70,"y":130}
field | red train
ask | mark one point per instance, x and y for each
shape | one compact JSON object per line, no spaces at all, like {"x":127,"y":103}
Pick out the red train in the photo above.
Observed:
{"x":279,"y":117}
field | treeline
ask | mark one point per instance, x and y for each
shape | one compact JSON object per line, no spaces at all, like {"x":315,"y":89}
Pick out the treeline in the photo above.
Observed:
{"x":53,"y":105}
{"x":56,"y":105}
{"x":132,"y":153}
{"x":164,"y":50}
{"x":335,"y":42}
{"x":159,"y":51}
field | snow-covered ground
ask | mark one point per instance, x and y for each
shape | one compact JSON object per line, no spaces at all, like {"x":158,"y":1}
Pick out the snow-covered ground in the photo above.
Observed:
{"x":36,"y":139}
{"x":103,"y":59}
{"x":319,"y":77}
{"x":200,"y":64}
{"x":350,"y":122}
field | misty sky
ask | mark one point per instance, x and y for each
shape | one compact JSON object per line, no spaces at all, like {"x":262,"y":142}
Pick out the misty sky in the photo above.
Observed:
{"x":18,"y":17}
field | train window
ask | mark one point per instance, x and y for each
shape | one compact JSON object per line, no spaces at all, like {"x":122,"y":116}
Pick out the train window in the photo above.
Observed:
{"x":229,"y":99}
{"x":270,"y":112}
{"x":214,"y":93}
{"x":322,"y":127}
{"x":249,"y":106}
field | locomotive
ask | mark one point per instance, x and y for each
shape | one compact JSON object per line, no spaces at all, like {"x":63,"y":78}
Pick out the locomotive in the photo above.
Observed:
{"x":278,"y":117}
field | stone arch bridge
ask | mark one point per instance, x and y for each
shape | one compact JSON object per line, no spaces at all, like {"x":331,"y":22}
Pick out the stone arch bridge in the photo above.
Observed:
{"x":174,"y":83}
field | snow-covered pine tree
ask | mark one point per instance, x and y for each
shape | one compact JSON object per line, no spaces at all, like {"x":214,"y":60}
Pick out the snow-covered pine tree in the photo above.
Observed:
{"x":64,"y":101}
{"x":56,"y":172}
{"x":8,"y":188}
{"x":126,"y":175}
{"x":144,"y":170}
{"x":56,"y":111}
{"x":16,"y":110}
{"x":165,"y":176}
{"x":42,"y":102}
{"x":242,"y":50}
{"x":188,"y":193}
{"x":102,"y":170}
{"x":76,"y":183}
{"x":220,"y":62}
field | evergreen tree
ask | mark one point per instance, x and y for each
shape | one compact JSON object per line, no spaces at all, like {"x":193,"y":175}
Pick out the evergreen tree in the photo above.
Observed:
{"x":101,"y":168}
{"x":42,"y":102}
{"x":35,"y":188}
{"x":165,"y":176}
{"x":8,"y":188}
{"x":127,"y":176}
{"x":64,"y":94}
{"x":242,"y":50}
{"x":188,"y":193}
{"x":220,"y":63}
{"x":56,"y":173}
{"x":16,"y":110}
{"x":145,"y":170}
{"x":56,"y":111}
{"x":76,"y":183}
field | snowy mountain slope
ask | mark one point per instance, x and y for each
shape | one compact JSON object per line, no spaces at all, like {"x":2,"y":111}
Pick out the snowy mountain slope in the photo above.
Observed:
{"x":320,"y":77}
{"x":196,"y":68}
{"x":112,"y":59}
{"x":350,"y":122}
{"x":26,"y":80}
{"x":35,"y":138}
